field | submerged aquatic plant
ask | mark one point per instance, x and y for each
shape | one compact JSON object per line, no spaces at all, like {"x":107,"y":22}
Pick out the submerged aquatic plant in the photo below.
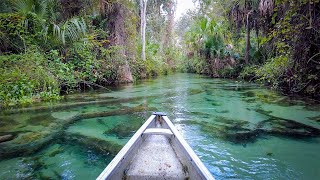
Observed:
{"x":243,"y":132}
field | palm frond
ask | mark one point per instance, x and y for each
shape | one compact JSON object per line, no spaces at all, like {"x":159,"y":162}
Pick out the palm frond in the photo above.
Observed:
{"x":38,"y":7}
{"x":23,"y":6}
{"x":70,"y":31}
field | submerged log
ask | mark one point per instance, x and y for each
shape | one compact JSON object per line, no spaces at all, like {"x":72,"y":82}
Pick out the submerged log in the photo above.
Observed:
{"x":99,"y":145}
{"x":5,"y":138}
{"x":237,"y":131}
{"x":106,"y":100}
{"x":116,"y":112}
{"x":8,"y":150}
{"x":18,"y":147}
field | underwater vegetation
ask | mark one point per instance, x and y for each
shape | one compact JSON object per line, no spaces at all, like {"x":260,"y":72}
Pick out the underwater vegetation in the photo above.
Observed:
{"x":222,"y":111}
{"x":102,"y":100}
{"x":236,"y":131}
{"x":42,"y":119}
{"x":124,"y":130}
{"x":99,"y":145}
{"x":236,"y":87}
{"x":317,"y":118}
{"x":38,"y":131}
{"x":29,"y":168}
{"x":274,"y":98}
{"x":248,"y":94}
{"x":243,"y":132}
{"x":194,"y":91}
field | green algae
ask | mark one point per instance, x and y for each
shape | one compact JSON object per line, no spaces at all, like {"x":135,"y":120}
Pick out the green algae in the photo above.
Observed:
{"x":124,"y":129}
{"x":42,"y":119}
{"x":269,"y":154}
{"x":29,"y":137}
{"x":292,"y":129}
{"x":235,"y":131}
{"x":208,"y":99}
{"x":7,"y":123}
{"x":248,"y":94}
{"x":216,"y":104}
{"x":268,"y":97}
{"x":229,"y":121}
{"x":40,"y":139}
{"x":200,"y":114}
{"x":249,"y":100}
{"x":239,"y":131}
{"x":262,"y":111}
{"x":55,"y":150}
{"x":222,"y":111}
{"x":101,"y":121}
{"x":100,"y":145}
{"x":194,"y":91}
{"x":66,"y":106}
{"x":240,"y":88}
{"x":316,"y":118}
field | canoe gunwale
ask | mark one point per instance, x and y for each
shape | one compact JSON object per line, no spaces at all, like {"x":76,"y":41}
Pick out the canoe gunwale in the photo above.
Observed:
{"x":125,"y":151}
{"x":197,"y":163}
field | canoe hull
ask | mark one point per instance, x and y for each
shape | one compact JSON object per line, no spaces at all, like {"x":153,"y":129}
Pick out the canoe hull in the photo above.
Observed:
{"x":156,"y":151}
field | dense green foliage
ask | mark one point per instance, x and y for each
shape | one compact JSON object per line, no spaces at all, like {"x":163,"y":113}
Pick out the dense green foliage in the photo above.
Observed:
{"x":205,"y":44}
{"x":269,"y":41}
{"x":53,"y":47}
{"x":25,"y":78}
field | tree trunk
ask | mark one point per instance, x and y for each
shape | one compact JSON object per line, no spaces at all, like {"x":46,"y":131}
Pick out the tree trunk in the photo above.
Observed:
{"x":170,"y":31}
{"x":170,"y":24}
{"x":247,"y":53}
{"x":141,"y":18}
{"x":119,"y":39}
{"x":167,"y":36}
{"x":143,"y":4}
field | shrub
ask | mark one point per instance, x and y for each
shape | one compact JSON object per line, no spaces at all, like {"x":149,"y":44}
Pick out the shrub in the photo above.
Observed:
{"x":249,"y":72}
{"x":63,"y":72}
{"x":25,"y":77}
{"x":272,"y":70}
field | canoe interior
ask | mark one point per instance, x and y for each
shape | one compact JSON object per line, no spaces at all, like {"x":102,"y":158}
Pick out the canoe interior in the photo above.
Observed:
{"x":156,"y":151}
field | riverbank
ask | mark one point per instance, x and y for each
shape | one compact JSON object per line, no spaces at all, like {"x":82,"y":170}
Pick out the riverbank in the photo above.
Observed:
{"x":52,"y":48}
{"x":37,"y":76}
{"x":273,"y":75}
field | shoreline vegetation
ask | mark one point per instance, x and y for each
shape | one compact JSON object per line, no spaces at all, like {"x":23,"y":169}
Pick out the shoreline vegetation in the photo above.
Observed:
{"x":49,"y":48}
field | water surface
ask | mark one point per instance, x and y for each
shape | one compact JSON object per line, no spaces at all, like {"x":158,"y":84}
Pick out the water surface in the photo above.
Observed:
{"x":239,"y":130}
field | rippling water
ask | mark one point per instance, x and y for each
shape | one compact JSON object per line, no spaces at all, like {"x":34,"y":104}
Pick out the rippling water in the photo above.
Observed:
{"x":239,"y":130}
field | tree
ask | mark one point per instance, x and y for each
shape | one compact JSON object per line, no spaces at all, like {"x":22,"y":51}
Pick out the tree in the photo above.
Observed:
{"x":143,"y":10}
{"x":116,"y":13}
{"x":245,"y":11}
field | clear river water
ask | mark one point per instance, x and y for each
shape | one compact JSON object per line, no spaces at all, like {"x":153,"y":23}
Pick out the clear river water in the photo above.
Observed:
{"x":239,"y":130}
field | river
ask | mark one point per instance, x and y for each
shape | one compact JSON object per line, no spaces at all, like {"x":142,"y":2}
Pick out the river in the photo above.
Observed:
{"x":239,"y":130}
